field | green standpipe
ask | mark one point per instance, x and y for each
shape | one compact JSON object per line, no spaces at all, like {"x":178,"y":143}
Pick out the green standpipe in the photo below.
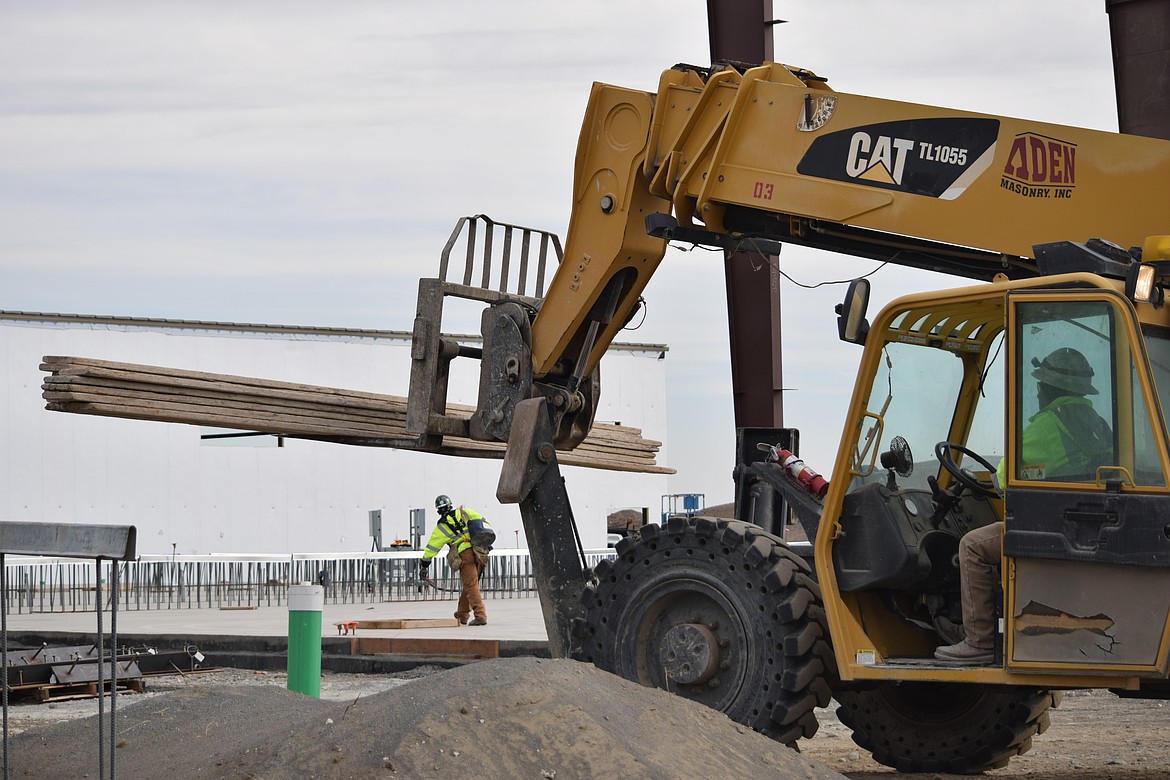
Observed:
{"x":304,"y":638}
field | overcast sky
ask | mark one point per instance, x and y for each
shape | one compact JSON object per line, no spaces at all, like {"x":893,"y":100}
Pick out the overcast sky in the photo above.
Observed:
{"x":303,"y":163}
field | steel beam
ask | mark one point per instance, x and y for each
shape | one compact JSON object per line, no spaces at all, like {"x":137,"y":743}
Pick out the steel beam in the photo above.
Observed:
{"x":741,"y":31}
{"x":1140,"y":34}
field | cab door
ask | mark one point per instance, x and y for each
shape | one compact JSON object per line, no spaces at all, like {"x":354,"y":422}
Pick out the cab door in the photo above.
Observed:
{"x":1086,"y":545}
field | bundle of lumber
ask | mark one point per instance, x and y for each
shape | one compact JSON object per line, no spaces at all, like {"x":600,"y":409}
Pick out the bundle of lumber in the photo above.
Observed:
{"x":140,"y":392}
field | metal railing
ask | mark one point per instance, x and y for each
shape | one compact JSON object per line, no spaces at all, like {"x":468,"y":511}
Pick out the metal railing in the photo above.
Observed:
{"x":219,"y":581}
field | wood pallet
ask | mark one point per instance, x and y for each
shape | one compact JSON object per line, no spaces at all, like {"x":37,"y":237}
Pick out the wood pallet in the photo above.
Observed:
{"x":50,"y":692}
{"x":142,"y":392}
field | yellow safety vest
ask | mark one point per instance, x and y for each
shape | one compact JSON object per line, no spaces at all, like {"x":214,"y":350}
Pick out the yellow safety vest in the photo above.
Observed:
{"x":452,"y":530}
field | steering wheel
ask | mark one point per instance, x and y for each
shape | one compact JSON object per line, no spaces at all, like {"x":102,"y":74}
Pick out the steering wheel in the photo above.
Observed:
{"x":943,"y":451}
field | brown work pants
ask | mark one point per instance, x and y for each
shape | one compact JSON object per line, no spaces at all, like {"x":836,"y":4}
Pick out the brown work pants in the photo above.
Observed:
{"x":980,"y":552}
{"x":470,"y":600}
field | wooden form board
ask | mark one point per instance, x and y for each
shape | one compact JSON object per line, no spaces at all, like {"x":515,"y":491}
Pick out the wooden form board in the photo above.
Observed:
{"x":410,"y":623}
{"x":450,"y":648}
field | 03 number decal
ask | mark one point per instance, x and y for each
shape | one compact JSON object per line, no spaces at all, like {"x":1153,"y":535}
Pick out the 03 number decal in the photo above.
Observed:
{"x":763,"y":191}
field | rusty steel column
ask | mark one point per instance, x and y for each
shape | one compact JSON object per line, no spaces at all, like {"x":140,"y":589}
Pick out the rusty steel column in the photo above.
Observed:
{"x":741,"y":31}
{"x":753,"y":318}
{"x":1140,"y":34}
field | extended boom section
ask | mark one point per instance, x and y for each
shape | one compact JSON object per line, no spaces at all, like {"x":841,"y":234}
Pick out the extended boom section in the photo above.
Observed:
{"x":773,"y":152}
{"x":749,"y":159}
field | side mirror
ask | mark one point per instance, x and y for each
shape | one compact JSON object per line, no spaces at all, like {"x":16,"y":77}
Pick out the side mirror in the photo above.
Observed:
{"x":852,"y":326}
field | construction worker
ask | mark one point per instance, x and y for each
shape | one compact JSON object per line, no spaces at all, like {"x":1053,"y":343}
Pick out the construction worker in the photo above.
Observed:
{"x":1067,"y":440}
{"x":469,"y":537}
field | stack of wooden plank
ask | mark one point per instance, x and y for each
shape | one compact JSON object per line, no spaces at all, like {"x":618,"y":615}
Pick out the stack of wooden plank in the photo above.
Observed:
{"x":141,"y":392}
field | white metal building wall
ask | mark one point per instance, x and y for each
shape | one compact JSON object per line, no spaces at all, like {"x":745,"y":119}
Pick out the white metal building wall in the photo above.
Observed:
{"x":191,"y":497}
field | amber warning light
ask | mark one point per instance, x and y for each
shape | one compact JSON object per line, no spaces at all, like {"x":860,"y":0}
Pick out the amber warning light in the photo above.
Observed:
{"x":1142,"y":283}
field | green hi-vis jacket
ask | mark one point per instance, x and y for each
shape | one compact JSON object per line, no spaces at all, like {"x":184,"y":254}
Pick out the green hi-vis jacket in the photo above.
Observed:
{"x":1065,"y":438}
{"x":452,"y":529}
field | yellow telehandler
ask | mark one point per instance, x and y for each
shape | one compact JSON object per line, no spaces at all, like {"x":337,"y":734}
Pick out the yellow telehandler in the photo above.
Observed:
{"x":1060,"y":231}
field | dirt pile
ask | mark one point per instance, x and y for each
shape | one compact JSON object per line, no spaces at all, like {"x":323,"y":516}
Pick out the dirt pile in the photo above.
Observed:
{"x":507,"y":718}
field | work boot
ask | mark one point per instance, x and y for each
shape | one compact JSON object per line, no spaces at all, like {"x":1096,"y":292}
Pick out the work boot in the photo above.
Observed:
{"x":478,"y":622}
{"x":950,"y":631}
{"x":965,"y":654}
{"x":461,"y":618}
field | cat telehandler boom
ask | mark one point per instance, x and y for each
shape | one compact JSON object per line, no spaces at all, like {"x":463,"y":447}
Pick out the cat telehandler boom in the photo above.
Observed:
{"x":1060,"y":230}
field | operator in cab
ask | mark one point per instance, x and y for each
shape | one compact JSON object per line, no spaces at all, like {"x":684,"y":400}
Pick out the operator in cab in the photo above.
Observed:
{"x":1065,"y":439}
{"x":469,"y":537}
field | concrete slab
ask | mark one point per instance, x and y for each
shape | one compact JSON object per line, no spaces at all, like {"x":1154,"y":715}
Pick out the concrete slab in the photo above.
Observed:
{"x":508,"y":619}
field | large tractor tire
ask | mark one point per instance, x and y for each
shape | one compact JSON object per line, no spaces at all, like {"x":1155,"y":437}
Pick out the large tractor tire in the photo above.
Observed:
{"x":717,"y":611}
{"x":945,"y":727}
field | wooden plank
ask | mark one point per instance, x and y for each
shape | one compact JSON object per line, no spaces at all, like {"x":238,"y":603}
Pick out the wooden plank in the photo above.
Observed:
{"x":142,"y":392}
{"x":453,"y":445}
{"x":57,"y":384}
{"x":87,"y":389}
{"x":420,"y":646}
{"x":393,"y":416}
{"x":188,"y":416}
{"x":467,"y":448}
{"x":617,"y":449}
{"x":258,"y":402}
{"x":321,"y":394}
{"x":589,"y":455}
{"x":59,"y":364}
{"x":312,"y":397}
{"x":273,"y":421}
{"x":276,"y":420}
{"x":400,"y":623}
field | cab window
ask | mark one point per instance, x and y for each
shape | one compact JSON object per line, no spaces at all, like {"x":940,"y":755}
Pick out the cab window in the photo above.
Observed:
{"x":1078,"y":403}
{"x":913,"y":395}
{"x":930,"y":380}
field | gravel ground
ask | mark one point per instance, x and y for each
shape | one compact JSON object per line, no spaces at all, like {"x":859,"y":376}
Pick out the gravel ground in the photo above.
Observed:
{"x":1094,"y":736}
{"x":23,"y":716}
{"x":512,"y":718}
{"x":503,"y":718}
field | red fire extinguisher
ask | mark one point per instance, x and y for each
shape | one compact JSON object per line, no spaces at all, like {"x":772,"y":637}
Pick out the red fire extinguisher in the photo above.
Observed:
{"x":810,"y":480}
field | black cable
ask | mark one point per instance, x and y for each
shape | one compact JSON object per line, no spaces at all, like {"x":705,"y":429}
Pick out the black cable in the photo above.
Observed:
{"x":644,"y":307}
{"x":883,"y":264}
{"x":576,"y":535}
{"x":990,"y":363}
{"x":752,"y":250}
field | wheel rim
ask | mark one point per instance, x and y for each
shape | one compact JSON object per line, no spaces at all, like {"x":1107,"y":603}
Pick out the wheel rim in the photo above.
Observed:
{"x":690,"y":626}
